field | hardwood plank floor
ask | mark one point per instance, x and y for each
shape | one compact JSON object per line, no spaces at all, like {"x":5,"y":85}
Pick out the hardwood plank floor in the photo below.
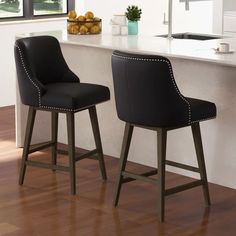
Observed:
{"x":44,"y":206}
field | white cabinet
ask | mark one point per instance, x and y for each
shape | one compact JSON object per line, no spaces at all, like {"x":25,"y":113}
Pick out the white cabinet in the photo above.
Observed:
{"x":224,"y":17}
{"x":229,"y":25}
{"x":218,"y":6}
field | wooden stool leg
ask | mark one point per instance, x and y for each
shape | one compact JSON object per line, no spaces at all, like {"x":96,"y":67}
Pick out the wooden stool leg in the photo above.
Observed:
{"x":97,"y":138}
{"x":54,"y":136}
{"x":161,"y":158}
{"x":71,"y":149}
{"x":123,"y":160}
{"x":201,"y":162}
{"x":28,"y":136}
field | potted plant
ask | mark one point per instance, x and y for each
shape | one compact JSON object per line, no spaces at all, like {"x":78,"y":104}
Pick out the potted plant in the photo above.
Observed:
{"x":133,"y":14}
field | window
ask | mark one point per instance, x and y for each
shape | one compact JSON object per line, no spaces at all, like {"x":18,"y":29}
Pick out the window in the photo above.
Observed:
{"x":49,"y":7}
{"x":11,"y":8}
{"x":28,"y":9}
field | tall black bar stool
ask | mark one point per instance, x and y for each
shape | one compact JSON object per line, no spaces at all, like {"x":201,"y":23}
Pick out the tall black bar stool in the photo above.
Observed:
{"x":46,"y":83}
{"x":147,"y":96}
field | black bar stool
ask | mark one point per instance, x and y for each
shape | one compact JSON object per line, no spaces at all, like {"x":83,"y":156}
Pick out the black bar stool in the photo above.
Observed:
{"x":147,"y":96}
{"x":46,"y":83}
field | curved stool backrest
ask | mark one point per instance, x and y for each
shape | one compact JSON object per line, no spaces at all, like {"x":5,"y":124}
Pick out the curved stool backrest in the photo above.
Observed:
{"x":39,"y":61}
{"x":146,"y":92}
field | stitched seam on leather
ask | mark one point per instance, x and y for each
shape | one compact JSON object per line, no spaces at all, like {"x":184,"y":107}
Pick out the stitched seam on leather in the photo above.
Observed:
{"x":35,"y":85}
{"x":172,"y":78}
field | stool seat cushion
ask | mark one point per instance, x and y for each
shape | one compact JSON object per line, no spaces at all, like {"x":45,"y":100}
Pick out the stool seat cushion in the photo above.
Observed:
{"x":201,"y":110}
{"x":73,"y":96}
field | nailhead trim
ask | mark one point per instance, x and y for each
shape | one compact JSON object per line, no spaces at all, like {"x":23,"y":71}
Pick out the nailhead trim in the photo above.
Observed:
{"x":196,"y":121}
{"x":27,"y":73}
{"x":59,"y":108}
{"x":67,"y":109}
{"x":56,"y":108}
{"x":172,"y":78}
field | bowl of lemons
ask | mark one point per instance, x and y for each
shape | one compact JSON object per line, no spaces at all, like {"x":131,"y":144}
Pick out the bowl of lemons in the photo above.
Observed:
{"x":83,"y":24}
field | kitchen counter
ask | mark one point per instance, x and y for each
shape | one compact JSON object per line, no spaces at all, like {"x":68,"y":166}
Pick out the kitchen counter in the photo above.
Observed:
{"x":175,"y":48}
{"x":199,"y":73}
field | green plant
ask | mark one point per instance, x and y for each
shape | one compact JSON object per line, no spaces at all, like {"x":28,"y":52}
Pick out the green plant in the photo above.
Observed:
{"x":133,"y":13}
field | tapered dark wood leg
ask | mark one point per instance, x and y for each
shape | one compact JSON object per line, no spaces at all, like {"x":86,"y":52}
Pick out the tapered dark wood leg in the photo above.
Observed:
{"x":54,"y":128}
{"x":97,"y":138}
{"x":123,"y":160}
{"x":201,"y":162}
{"x":28,"y":136}
{"x":161,"y":158}
{"x":71,"y":149}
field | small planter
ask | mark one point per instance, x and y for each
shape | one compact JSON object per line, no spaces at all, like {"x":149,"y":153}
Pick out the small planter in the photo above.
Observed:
{"x":132,"y":27}
{"x":133,"y":14}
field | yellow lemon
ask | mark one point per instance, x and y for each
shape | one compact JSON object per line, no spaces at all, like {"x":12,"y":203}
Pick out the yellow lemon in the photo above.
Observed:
{"x":81,"y":18}
{"x":95,"y":29}
{"x":73,"y":29}
{"x":89,"y":15}
{"x":83,"y":29}
{"x":97,"y":20}
{"x":89,"y":23}
{"x":72,"y":14}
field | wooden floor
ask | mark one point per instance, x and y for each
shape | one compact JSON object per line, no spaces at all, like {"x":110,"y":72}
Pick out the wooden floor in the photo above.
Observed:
{"x":44,"y":206}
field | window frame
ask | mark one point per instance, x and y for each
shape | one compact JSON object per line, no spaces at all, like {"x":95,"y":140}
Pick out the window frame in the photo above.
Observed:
{"x":28,"y":13}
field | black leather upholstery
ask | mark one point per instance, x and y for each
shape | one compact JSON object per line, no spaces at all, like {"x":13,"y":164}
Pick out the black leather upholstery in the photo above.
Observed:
{"x":146,"y":93}
{"x":74,"y":95}
{"x":46,"y":81}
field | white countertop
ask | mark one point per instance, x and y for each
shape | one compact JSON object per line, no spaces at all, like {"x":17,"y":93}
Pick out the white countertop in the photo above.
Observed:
{"x":174,"y":48}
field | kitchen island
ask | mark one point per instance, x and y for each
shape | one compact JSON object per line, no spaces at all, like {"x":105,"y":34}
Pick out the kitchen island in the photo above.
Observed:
{"x":199,"y":73}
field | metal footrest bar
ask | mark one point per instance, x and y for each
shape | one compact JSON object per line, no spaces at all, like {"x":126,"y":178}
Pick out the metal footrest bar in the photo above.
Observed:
{"x":78,"y":156}
{"x":47,"y":166}
{"x":146,"y":174}
{"x":182,"y":166}
{"x":143,"y":177}
{"x":183,"y":187}
{"x":87,"y":155}
{"x":62,"y":152}
{"x":40,"y":146}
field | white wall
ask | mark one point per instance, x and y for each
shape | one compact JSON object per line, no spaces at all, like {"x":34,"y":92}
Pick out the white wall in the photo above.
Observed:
{"x":198,"y":19}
